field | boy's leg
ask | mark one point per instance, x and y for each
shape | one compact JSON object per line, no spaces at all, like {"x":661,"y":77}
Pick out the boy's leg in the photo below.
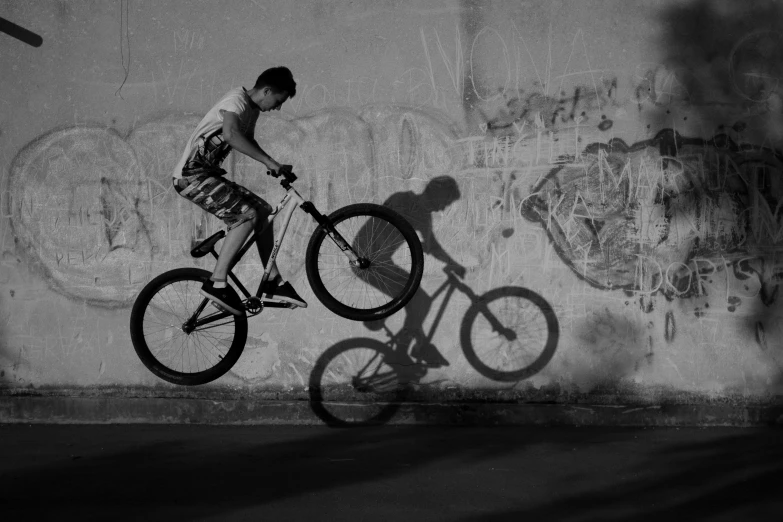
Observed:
{"x":235,"y":206}
{"x":217,"y":287}
{"x":234,"y":240}
{"x":276,"y":287}
{"x":265,"y":245}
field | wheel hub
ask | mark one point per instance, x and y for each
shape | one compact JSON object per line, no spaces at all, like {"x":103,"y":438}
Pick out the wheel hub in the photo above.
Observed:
{"x":363,"y":263}
{"x":509,"y":334}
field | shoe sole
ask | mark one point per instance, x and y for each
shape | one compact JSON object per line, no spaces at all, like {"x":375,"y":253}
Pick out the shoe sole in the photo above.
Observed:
{"x":280,"y":298}
{"x":277,"y":299}
{"x":300,"y":304}
{"x":228,"y":308}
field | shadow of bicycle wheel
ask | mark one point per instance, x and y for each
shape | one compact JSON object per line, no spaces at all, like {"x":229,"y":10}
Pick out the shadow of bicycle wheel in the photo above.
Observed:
{"x":359,"y":382}
{"x":509,"y":334}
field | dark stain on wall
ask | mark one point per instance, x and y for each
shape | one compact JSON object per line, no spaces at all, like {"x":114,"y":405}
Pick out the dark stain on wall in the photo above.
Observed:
{"x":723,"y":58}
{"x":716,"y":41}
{"x":670,"y":331}
{"x":727,"y":60}
{"x":761,"y":336}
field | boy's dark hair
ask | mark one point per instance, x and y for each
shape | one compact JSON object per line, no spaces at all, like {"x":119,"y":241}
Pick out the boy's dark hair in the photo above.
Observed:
{"x":279,"y":79}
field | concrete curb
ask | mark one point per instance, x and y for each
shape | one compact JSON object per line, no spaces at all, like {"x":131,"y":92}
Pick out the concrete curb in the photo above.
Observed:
{"x":253,"y":411}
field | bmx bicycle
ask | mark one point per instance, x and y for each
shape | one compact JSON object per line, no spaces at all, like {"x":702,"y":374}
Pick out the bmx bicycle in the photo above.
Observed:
{"x":185,"y":338}
{"x":507,"y":334}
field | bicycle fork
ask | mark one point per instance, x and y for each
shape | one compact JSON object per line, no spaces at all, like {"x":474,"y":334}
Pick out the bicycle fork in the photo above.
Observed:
{"x":332,"y":232}
{"x":497,"y":327}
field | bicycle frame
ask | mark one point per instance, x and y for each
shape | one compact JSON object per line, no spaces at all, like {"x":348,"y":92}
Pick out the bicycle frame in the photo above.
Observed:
{"x":417,"y":371}
{"x":448,"y":287}
{"x":287,"y":205}
{"x":291,"y":200}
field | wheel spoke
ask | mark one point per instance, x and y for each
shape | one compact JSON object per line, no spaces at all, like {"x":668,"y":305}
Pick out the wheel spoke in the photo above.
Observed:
{"x":192,"y":356}
{"x":378,"y":240}
{"x":356,"y":372}
{"x":511,"y":336}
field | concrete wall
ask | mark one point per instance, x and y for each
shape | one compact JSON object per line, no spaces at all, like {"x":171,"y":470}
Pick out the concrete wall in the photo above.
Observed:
{"x":619,"y":159}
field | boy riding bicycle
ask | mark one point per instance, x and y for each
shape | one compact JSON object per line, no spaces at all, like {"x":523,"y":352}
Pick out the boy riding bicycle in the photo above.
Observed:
{"x":198,"y":177}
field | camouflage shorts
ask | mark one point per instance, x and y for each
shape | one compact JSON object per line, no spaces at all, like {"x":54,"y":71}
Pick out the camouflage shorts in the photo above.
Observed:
{"x":231,"y":203}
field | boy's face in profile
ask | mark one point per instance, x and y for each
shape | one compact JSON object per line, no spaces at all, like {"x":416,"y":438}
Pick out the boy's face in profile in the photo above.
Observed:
{"x":438,"y":196}
{"x":271,"y":100}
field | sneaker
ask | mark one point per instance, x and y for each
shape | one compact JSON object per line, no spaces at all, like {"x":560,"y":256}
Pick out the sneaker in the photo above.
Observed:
{"x":285,"y":292}
{"x":223,"y":297}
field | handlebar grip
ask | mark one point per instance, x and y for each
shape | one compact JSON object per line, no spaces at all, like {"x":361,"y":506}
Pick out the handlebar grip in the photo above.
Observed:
{"x":290,"y":176}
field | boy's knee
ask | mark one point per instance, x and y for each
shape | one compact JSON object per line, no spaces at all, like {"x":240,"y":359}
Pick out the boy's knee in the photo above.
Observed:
{"x":260,"y":213}
{"x":264,"y":208}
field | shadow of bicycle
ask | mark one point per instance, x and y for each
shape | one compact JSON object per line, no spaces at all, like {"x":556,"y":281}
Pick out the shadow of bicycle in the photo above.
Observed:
{"x":507,"y":335}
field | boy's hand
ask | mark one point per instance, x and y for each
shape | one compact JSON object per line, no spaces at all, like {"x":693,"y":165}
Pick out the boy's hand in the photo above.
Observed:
{"x":277,"y":169}
{"x":274,"y":169}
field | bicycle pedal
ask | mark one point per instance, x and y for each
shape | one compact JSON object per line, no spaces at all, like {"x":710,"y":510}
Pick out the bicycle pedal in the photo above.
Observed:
{"x":283,"y":304}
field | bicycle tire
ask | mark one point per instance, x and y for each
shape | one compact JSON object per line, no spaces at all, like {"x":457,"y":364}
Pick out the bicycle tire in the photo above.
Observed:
{"x":173,"y":297}
{"x":353,"y":384}
{"x":535,"y":339}
{"x":358,"y":224}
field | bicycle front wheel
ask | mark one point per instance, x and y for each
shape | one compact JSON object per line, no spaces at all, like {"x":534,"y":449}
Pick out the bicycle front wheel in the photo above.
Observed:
{"x":393,"y":263}
{"x":168,"y":340}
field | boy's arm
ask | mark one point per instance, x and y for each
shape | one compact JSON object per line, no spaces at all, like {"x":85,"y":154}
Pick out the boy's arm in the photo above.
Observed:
{"x":431,"y":246}
{"x":434,"y":248}
{"x":245,"y":145}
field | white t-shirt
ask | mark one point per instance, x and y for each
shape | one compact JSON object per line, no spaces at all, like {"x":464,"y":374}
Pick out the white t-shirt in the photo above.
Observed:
{"x":236,"y":101}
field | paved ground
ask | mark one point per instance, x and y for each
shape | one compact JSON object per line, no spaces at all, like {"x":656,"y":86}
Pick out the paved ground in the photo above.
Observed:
{"x":409,"y":473}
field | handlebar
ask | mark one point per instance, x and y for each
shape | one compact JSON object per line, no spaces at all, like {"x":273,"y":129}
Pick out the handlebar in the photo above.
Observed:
{"x":289,"y":177}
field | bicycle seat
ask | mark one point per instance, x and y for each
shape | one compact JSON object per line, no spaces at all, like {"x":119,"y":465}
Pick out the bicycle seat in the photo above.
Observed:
{"x":206,"y":246}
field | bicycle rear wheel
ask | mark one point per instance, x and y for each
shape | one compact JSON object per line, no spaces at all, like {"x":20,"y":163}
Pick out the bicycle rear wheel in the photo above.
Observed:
{"x":393,"y":269}
{"x":509,"y":334}
{"x":170,"y":348}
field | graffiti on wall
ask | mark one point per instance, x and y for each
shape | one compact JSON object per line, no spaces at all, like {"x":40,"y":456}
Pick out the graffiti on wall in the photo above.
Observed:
{"x":96,"y":212}
{"x":94,"y":209}
{"x":666,"y":214}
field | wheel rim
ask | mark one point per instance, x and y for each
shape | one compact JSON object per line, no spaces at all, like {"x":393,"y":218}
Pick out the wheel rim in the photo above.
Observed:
{"x":164,"y":324}
{"x":381,"y":278}
{"x":521,"y":347}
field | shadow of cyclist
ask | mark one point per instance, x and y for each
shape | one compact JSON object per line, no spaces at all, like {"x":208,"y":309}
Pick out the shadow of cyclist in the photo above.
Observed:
{"x":439,"y":193}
